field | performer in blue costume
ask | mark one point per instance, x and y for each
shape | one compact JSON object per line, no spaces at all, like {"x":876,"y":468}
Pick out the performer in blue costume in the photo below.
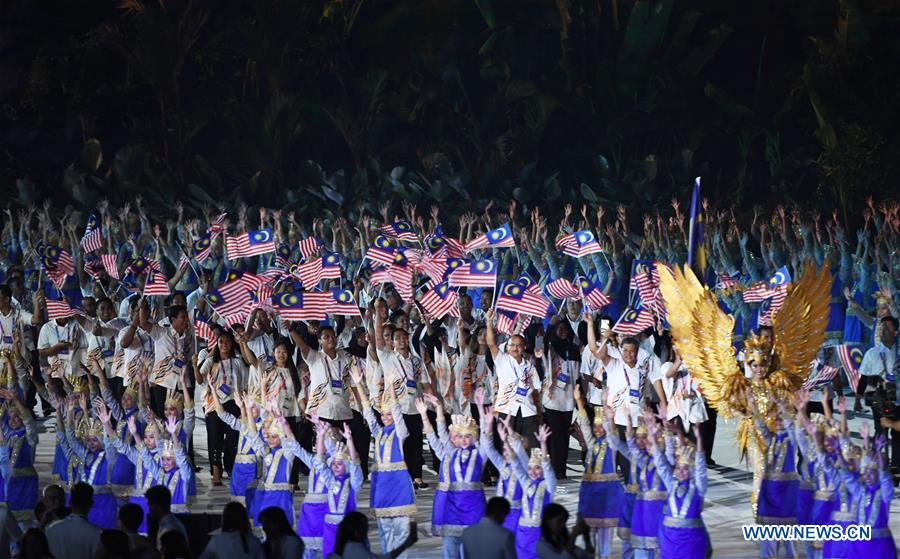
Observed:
{"x":123,"y":471}
{"x":391,"y":498}
{"x":173,"y":469}
{"x":508,"y":485}
{"x":247,"y":467}
{"x":459,"y":499}
{"x":85,"y":444}
{"x":682,"y":535}
{"x":538,"y":487}
{"x":651,"y":493}
{"x":343,"y":477}
{"x":600,"y":492}
{"x":20,"y":430}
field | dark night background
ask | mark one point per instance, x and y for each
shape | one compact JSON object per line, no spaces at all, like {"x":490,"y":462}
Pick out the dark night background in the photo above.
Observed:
{"x":315,"y":105}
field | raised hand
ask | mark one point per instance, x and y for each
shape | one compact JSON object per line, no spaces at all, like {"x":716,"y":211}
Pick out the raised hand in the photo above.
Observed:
{"x":132,"y":425}
{"x":880,"y":442}
{"x":346,"y":432}
{"x":421,"y":406}
{"x":172,"y":427}
{"x":543,"y":434}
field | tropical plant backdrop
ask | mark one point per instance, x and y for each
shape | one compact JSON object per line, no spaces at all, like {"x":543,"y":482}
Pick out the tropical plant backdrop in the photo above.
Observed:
{"x":320,"y":105}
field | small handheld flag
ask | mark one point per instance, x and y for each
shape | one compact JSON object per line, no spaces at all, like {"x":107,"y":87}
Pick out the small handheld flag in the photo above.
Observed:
{"x":495,"y":238}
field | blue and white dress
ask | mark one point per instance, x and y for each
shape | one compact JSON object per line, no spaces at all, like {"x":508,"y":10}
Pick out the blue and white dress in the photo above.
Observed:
{"x":536,"y":494}
{"x":22,"y":481}
{"x":391,"y":492}
{"x":94,"y":469}
{"x":144,"y":477}
{"x":682,"y":535}
{"x":508,"y":485}
{"x":600,"y":493}
{"x":340,"y":498}
{"x":459,"y":499}
{"x":777,"y":501}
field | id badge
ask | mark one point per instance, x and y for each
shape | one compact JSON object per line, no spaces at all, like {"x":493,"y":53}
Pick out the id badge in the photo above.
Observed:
{"x":7,"y":339}
{"x":635,"y":396}
{"x":562,"y":379}
{"x":106,"y":353}
{"x":890,"y":377}
{"x":178,"y":363}
{"x":337,"y":387}
{"x":410,"y":385}
{"x":64,"y":351}
{"x":521,"y":392}
{"x":225,"y":389}
{"x":270,"y":359}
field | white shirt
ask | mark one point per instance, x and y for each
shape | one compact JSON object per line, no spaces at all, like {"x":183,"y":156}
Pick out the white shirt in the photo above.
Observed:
{"x":17,"y":319}
{"x":559,"y":394}
{"x":139,"y":353}
{"x":405,"y":375}
{"x":474,"y":368}
{"x":625,"y":383}
{"x":69,"y":361}
{"x":682,"y":395}
{"x":592,"y":367}
{"x":172,"y":352}
{"x":330,"y":382}
{"x":230,"y":375}
{"x":261,"y":345}
{"x":515,"y":382}
{"x":104,"y":345}
{"x":878,"y":361}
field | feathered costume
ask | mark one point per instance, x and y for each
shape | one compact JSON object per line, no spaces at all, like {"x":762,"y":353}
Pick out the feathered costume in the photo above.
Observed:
{"x":702,"y":333}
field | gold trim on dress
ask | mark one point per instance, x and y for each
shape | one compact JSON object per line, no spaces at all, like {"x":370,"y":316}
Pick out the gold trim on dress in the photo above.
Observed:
{"x":644,"y":542}
{"x":652,"y":496}
{"x":390,"y":467}
{"x":782,"y":476}
{"x":601,"y":522}
{"x":673,"y":522}
{"x":387,"y":512}
{"x":775,"y":520}
{"x":314,"y":498}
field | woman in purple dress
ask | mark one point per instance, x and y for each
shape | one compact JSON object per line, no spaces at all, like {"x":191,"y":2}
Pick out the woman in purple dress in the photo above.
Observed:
{"x":538,"y":487}
{"x":508,"y":485}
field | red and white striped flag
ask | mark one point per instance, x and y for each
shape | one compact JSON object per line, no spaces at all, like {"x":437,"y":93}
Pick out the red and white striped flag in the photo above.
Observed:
{"x":109,"y":264}
{"x":183,"y":262}
{"x":93,"y":233}
{"x":203,"y":330}
{"x":156,"y":284}
{"x":770,"y":307}
{"x":93,"y":267}
{"x":506,"y":322}
{"x":633,"y":322}
{"x":477,"y":273}
{"x":309,"y":273}
{"x":562,"y":289}
{"x":58,"y":308}
{"x":759,"y":292}
{"x":495,"y":238}
{"x":402,"y":230}
{"x":593,"y":295}
{"x":380,"y":275}
{"x":381,"y":251}
{"x":217,"y":226}
{"x":402,"y":278}
{"x":851,"y":355}
{"x":310,"y":246}
{"x":302,"y":305}
{"x":578,"y":244}
{"x":435,"y":267}
{"x":821,"y":377}
{"x":251,"y":243}
{"x":515,"y":297}
{"x":440,"y":300}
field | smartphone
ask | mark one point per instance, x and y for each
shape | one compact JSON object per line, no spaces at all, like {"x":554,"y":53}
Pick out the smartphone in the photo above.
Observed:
{"x":604,"y":325}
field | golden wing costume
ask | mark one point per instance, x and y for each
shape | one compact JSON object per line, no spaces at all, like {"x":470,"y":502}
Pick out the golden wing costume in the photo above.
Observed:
{"x":702,"y":333}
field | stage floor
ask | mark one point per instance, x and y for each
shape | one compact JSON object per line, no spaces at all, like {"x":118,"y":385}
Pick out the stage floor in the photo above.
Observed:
{"x":726,"y":509}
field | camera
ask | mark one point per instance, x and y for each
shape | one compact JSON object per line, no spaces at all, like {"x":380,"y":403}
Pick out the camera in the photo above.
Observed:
{"x":882,"y":402}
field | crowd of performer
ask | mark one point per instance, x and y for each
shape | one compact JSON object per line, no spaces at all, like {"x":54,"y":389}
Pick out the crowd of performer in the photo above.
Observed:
{"x":428,"y":346}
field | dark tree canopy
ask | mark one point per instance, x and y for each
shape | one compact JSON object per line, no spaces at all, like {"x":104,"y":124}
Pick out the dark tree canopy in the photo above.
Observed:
{"x":319,"y":105}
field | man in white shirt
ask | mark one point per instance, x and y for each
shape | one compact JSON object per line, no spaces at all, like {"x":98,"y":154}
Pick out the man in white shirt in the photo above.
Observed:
{"x":881,"y":365}
{"x":174,"y":347}
{"x":14,"y":322}
{"x":74,"y":537}
{"x":329,"y":377}
{"x":101,"y":334}
{"x":62,"y":343}
{"x":518,"y":384}
{"x":406,"y":378}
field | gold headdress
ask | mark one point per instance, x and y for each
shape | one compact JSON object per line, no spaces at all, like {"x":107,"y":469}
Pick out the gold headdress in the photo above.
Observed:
{"x":869,"y":462}
{"x":641,"y":429}
{"x":386,"y":404}
{"x":80,"y":385}
{"x":130,"y":391}
{"x":880,"y":299}
{"x":89,"y":427}
{"x":684,"y":456}
{"x":756,"y":350}
{"x":340,"y":452}
{"x":464,"y":425}
{"x":175,"y":399}
{"x":598,"y":415}
{"x":153,"y":426}
{"x":537,"y":458}
{"x":168,"y":448}
{"x":272,"y":427}
{"x":851,"y":452}
{"x":831,"y":430}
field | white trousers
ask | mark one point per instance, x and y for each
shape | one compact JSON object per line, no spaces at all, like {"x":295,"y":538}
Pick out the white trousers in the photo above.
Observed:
{"x":392,"y":532}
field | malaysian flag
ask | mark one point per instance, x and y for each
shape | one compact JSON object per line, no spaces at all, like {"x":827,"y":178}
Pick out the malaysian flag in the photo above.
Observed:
{"x":283,"y":255}
{"x":251,"y":282}
{"x":92,"y":266}
{"x":262,"y":297}
{"x":202,"y":247}
{"x":453,"y":264}
{"x":218,"y":225}
{"x":477,"y":273}
{"x":183,"y":262}
{"x":141,"y":264}
{"x":440,"y":300}
{"x":93,"y":233}
{"x":309,"y":273}
{"x":820,"y":377}
{"x":495,"y":238}
{"x":578,"y":244}
{"x":203,"y":330}
{"x":331,"y":266}
{"x":515,"y":297}
{"x":380,"y":275}
{"x":633,"y":322}
{"x":155,"y":284}
{"x":435,"y":268}
{"x":310,"y":246}
{"x":402,"y":230}
{"x":770,"y":307}
{"x":562,"y":289}
{"x":55,"y":258}
{"x":437,"y":242}
{"x":251,"y":243}
{"x":592,"y":293}
{"x":781,"y":277}
{"x":109,"y":264}
{"x":402,"y":277}
{"x":381,"y":251}
{"x":726,"y":281}
{"x":531,"y":286}
{"x":302,"y":305}
{"x":851,"y":355}
{"x":506,"y":322}
{"x":229,"y":297}
{"x":343,"y":303}
{"x":58,"y":308}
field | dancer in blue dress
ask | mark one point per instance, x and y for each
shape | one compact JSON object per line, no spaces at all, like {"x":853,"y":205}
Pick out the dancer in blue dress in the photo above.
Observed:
{"x":343,"y":477}
{"x":682,"y":535}
{"x":20,"y":431}
{"x":508,"y":485}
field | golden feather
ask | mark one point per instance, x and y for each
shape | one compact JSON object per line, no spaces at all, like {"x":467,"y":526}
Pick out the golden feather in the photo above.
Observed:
{"x":702,"y":333}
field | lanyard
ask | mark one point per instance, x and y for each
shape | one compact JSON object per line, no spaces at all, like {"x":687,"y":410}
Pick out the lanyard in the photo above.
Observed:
{"x":414,"y":367}
{"x":524,"y":377}
{"x":340,"y":369}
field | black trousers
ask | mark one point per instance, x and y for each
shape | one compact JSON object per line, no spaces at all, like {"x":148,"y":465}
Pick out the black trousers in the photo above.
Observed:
{"x":894,"y":440}
{"x":116,"y":387}
{"x":362,"y":438}
{"x":158,"y":399}
{"x":305,"y":434}
{"x":708,"y":430}
{"x":559,"y":423}
{"x":412,"y":446}
{"x":622,"y":461}
{"x":222,"y":439}
{"x":525,"y":426}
